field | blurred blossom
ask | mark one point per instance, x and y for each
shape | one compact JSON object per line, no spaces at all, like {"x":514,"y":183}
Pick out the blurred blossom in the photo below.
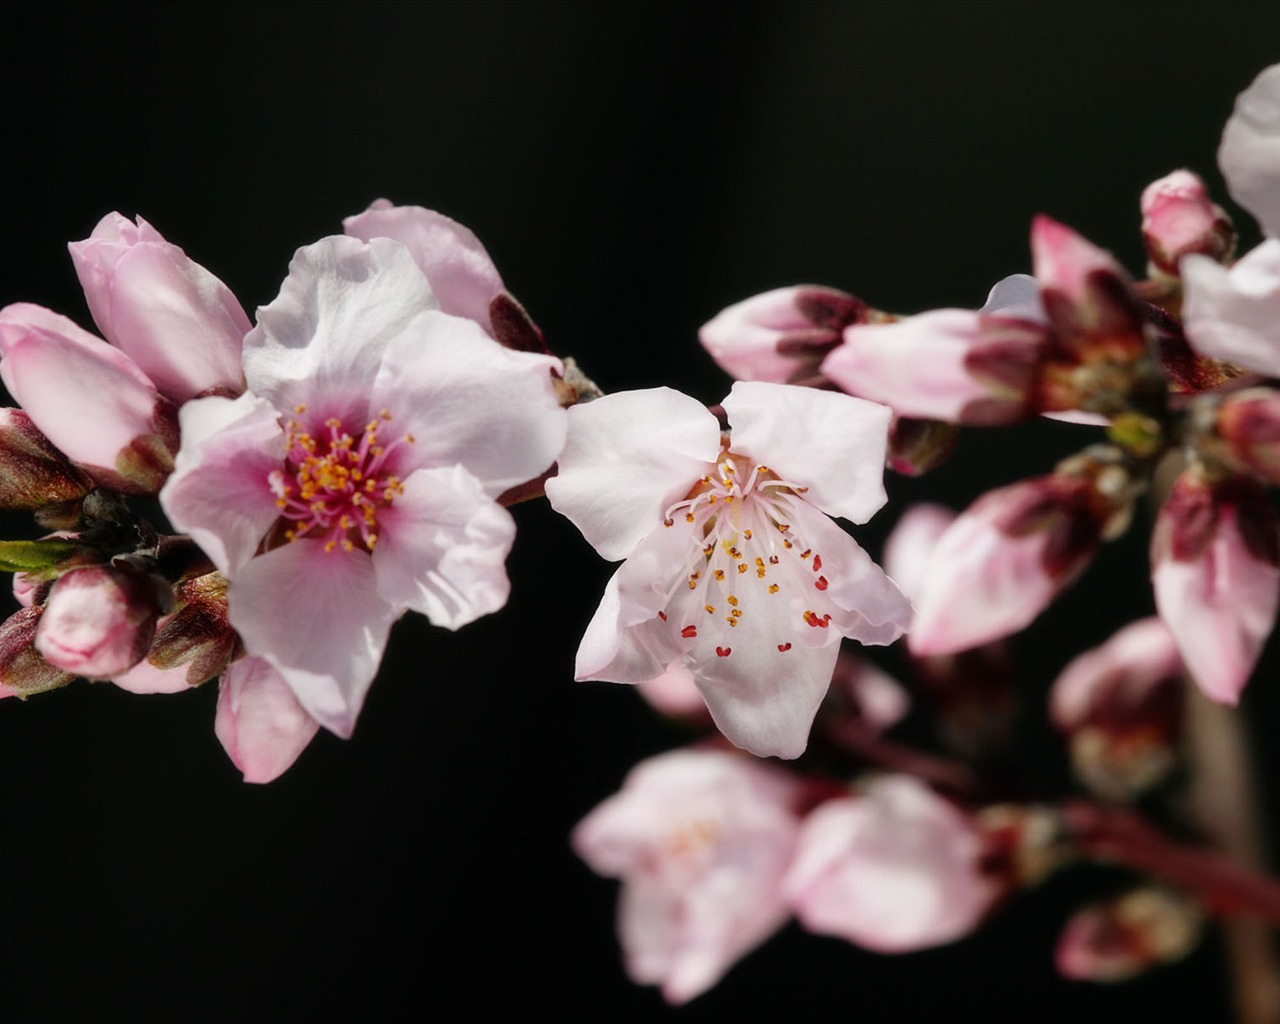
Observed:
{"x":1118,"y":939}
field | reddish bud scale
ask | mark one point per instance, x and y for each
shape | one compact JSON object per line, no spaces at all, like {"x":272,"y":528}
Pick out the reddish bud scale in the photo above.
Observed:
{"x":1069,"y":509}
{"x":22,"y":669}
{"x":1188,"y":372}
{"x":1189,"y":519}
{"x":33,"y":473}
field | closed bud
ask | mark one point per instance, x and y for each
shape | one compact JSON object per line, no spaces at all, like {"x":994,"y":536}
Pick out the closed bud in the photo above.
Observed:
{"x":192,"y":645}
{"x":99,"y":622}
{"x":1249,"y":424}
{"x":1215,"y":568}
{"x":22,"y":670}
{"x":1120,"y":938}
{"x":33,"y":473}
{"x":780,"y":336}
{"x":1121,"y":706}
{"x":1023,"y":844}
{"x":1179,"y":218}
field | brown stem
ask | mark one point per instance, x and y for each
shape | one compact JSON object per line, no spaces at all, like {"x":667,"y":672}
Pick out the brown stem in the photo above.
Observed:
{"x":859,"y":739}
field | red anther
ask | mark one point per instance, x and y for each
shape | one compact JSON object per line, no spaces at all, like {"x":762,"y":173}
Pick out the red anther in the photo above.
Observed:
{"x":662,"y":616}
{"x":784,"y":647}
{"x":821,"y":583}
{"x":689,"y":631}
{"x":724,"y":652}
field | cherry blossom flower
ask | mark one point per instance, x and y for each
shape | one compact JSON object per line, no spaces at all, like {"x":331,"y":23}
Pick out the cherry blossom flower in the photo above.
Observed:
{"x":894,"y":869}
{"x":701,"y":840}
{"x":732,"y":566}
{"x":357,"y":476}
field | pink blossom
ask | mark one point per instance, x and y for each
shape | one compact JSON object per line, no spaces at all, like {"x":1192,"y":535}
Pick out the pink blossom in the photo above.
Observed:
{"x":779,"y":334}
{"x":894,"y":869}
{"x":701,"y":840}
{"x":363,"y":463}
{"x":259,"y":721}
{"x":91,"y":400}
{"x":1249,"y":154}
{"x":1067,"y":263}
{"x":1003,"y":560}
{"x":98,"y":622}
{"x":1179,"y":218}
{"x":1233,"y":313}
{"x":732,"y":567}
{"x":179,"y":323}
{"x":1215,"y":566}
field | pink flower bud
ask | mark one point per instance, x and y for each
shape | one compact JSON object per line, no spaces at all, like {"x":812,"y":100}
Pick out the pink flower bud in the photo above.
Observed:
{"x":98,"y":622}
{"x":949,"y":364}
{"x":1118,"y":939}
{"x":33,"y":473}
{"x":1178,"y":218}
{"x":1121,"y":705}
{"x":894,"y":870}
{"x":89,"y":399}
{"x":1215,"y":565}
{"x":177,"y":321}
{"x":1004,"y":559}
{"x":1249,"y":423}
{"x":22,"y":670}
{"x":780,"y":335}
{"x":701,"y":840}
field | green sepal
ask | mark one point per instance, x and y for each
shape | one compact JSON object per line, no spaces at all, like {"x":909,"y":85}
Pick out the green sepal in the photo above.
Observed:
{"x":44,"y":559}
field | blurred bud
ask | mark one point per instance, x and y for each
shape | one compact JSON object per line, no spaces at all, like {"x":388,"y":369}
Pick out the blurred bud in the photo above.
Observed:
{"x":174,"y":319}
{"x":33,"y":473}
{"x":781,"y":335}
{"x":99,"y":622}
{"x":1010,"y":553}
{"x":1120,"y":938}
{"x":22,"y":669}
{"x":894,"y":869}
{"x":674,"y":693}
{"x":1215,"y":567}
{"x":860,"y":692}
{"x":917,"y":446}
{"x":1121,"y":706}
{"x":1179,"y":218}
{"x":954,"y":365}
{"x":1023,"y":844}
{"x":1249,"y":423}
{"x":88,"y":399}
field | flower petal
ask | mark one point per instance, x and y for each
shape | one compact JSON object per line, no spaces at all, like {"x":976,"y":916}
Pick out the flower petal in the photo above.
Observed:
{"x":628,"y":457}
{"x":457,"y":266}
{"x":442,"y":546}
{"x":1250,"y":151}
{"x":317,"y":618}
{"x":320,"y":343}
{"x":1234,"y":313}
{"x":219,"y":492}
{"x":467,"y":400}
{"x":833,"y":444}
{"x":259,"y":721}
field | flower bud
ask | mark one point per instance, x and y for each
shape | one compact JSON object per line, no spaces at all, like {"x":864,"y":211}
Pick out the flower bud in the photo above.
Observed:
{"x":98,"y":622}
{"x":22,"y":669}
{"x":1178,"y":218}
{"x":895,"y":869}
{"x":1249,"y":423}
{"x":780,"y":335}
{"x":1121,"y":706}
{"x":1118,"y":939}
{"x":33,"y":473}
{"x":88,"y":399}
{"x":1215,"y":567}
{"x":917,"y":446}
{"x":179,"y":323}
{"x":1006,"y":557}
{"x":954,"y":365}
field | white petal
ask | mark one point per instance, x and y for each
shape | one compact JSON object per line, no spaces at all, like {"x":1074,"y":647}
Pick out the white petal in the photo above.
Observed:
{"x":219,"y":491}
{"x":1250,"y":151}
{"x":467,"y":400}
{"x":259,"y":722}
{"x":321,"y":341}
{"x":833,"y":444}
{"x":629,"y":456}
{"x":318,"y":619}
{"x":1234,"y":314}
{"x":441,"y":548}
{"x":1017,"y":295}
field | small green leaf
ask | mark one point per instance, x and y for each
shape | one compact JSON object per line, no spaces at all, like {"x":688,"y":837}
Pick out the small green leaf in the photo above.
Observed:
{"x":43,"y":558}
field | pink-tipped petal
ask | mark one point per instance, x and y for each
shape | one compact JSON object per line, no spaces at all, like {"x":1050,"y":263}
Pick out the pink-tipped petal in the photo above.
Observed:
{"x":628,"y":457}
{"x":259,"y":721}
{"x":832,"y":444}
{"x":460,"y":272}
{"x":1250,"y":151}
{"x":1064,"y":260}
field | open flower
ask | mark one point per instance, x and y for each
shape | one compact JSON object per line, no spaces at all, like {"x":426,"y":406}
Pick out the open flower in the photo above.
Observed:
{"x":732,"y":566}
{"x":356,"y":478}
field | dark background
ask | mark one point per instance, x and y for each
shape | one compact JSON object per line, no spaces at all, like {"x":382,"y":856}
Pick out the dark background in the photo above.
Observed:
{"x":631,"y":171}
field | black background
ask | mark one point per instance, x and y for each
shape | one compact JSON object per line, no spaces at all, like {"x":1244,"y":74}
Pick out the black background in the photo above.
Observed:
{"x":632,"y":171}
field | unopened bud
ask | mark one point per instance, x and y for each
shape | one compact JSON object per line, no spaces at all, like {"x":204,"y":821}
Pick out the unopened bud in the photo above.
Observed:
{"x":917,"y":446}
{"x":197,"y":634}
{"x":22,"y":669}
{"x":1118,"y":939}
{"x":782,"y":335}
{"x":1121,"y":706}
{"x":1179,"y":218}
{"x":1249,"y":424}
{"x":33,"y":473}
{"x":1215,"y":568}
{"x":99,"y":622}
{"x":1023,"y":844}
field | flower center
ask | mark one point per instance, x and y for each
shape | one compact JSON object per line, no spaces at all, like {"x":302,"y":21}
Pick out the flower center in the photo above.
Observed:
{"x":333,"y":485}
{"x":747,"y":558}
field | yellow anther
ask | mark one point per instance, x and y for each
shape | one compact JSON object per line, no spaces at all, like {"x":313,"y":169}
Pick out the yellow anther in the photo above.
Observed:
{"x":773,"y":588}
